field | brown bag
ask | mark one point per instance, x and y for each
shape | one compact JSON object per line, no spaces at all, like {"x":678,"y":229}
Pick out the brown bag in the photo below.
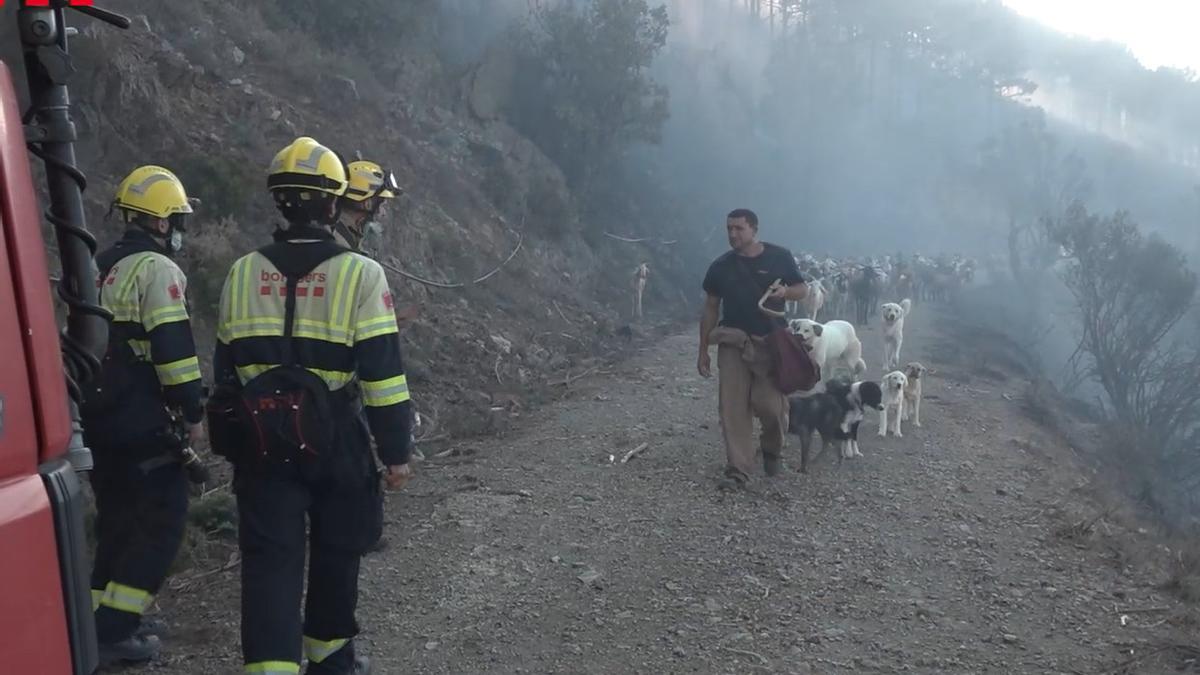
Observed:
{"x":792,"y":367}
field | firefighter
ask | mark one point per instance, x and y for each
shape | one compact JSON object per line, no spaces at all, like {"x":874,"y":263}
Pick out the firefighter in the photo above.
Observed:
{"x":368,"y":188}
{"x":139,"y":413}
{"x":299,"y":320}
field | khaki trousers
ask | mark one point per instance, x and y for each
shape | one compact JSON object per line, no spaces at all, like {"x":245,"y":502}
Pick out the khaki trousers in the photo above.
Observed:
{"x":746,"y":392}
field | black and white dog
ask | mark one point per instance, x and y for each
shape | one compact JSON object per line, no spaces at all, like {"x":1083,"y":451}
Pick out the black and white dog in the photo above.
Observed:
{"x":835,"y":414}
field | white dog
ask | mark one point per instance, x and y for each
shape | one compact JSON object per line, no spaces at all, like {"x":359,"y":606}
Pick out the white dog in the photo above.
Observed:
{"x":893,"y":401}
{"x":893,"y":332}
{"x":912,"y":392}
{"x":831,"y":344}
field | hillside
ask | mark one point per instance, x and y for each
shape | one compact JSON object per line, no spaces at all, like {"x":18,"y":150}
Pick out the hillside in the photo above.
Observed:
{"x":213,"y":89}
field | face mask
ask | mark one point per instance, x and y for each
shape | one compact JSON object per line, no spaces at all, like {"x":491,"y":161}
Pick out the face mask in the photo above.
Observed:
{"x":372,"y":236}
{"x":175,"y":241}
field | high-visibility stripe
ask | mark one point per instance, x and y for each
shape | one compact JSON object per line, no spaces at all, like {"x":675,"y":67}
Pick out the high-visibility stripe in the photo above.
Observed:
{"x":247,"y":282}
{"x":141,"y":348}
{"x":123,"y":303}
{"x":97,"y":594}
{"x":385,"y":392}
{"x":273,"y":668}
{"x":319,"y":650}
{"x":272,"y":326}
{"x":353,"y":292}
{"x":178,"y":372}
{"x":339,"y":288}
{"x":128,"y":281}
{"x":237,"y":299}
{"x":369,"y":328}
{"x":260,"y":327}
{"x":163,"y":315}
{"x":347,"y":285}
{"x":126,"y":598}
{"x":124,"y":311}
{"x":336,"y":379}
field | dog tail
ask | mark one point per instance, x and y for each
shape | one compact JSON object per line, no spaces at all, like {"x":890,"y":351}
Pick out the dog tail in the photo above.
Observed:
{"x":906,"y":304}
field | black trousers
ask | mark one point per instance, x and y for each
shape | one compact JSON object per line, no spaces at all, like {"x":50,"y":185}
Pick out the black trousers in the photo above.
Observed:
{"x":343,"y":521}
{"x":140,"y":524}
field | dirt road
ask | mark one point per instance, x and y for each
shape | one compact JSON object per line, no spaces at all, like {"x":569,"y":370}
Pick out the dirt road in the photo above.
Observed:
{"x":942,"y":552}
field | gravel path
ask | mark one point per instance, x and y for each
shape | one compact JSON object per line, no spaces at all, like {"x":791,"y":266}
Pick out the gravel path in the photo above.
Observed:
{"x":942,"y":552}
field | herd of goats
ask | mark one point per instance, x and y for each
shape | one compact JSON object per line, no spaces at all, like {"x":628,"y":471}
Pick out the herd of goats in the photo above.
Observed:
{"x":852,"y":289}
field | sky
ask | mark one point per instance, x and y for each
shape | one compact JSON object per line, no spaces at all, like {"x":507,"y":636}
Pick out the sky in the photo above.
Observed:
{"x":1158,"y":32}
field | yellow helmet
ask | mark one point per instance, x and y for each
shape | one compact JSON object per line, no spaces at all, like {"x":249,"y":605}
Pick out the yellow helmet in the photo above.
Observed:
{"x":368,"y":180}
{"x":307,"y":165}
{"x":154,"y":191}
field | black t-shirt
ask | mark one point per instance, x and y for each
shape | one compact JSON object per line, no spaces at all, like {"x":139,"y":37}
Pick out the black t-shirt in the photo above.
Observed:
{"x":729,"y":278}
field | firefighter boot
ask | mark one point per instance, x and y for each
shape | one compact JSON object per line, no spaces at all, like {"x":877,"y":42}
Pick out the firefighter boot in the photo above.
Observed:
{"x":134,"y":649}
{"x":152,"y":626}
{"x":361,"y":666}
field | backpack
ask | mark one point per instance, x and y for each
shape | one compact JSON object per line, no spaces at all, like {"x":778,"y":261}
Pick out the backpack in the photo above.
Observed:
{"x":287,"y":414}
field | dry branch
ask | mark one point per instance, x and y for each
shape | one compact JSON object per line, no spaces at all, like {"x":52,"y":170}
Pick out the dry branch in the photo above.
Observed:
{"x":429,"y":425}
{"x":627,"y":240}
{"x":1140,"y":610}
{"x":634,"y":452}
{"x":573,"y":378}
{"x":642,"y":240}
{"x":560,"y":313}
{"x":189,"y":583}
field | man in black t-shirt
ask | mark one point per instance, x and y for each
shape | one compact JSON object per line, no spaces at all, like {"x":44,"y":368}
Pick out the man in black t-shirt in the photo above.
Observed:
{"x":734,"y":284}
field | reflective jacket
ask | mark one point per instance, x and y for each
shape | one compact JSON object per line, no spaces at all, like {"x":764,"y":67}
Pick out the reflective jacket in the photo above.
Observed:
{"x":345,"y":330}
{"x":151,"y":355}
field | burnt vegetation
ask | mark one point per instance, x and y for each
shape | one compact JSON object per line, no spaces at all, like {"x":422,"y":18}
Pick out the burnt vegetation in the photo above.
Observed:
{"x":1135,"y":298}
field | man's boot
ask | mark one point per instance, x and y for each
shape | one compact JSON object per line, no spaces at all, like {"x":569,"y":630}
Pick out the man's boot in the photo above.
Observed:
{"x":134,"y":649}
{"x":772,"y":464}
{"x":732,"y":480}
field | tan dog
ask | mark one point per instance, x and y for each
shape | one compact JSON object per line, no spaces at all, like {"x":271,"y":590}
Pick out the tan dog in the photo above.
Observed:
{"x":912,"y":392}
{"x":893,"y":385}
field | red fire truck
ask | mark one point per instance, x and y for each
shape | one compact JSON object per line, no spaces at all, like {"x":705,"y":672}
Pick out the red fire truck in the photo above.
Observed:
{"x":45,"y":603}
